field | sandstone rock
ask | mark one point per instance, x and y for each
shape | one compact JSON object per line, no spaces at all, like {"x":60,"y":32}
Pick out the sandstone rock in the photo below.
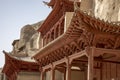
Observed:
{"x":37,"y":25}
{"x":28,"y":43}
{"x":107,"y":9}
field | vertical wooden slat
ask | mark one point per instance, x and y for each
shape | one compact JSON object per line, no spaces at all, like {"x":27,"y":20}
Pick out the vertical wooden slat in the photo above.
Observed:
{"x":118,"y":71}
{"x":113,"y":71}
{"x":108,"y":71}
{"x":42,"y":75}
{"x":104,"y":71}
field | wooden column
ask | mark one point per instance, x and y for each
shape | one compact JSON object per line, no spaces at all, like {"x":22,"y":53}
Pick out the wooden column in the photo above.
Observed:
{"x":41,"y":74}
{"x":53,"y":73}
{"x":68,"y":70}
{"x":90,"y":63}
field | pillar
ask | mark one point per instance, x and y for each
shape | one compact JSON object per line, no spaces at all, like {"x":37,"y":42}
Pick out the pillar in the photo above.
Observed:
{"x":91,"y":64}
{"x":52,"y":72}
{"x":68,"y":69}
{"x":41,"y":74}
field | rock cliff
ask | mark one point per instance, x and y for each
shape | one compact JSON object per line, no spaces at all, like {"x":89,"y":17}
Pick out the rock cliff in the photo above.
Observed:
{"x":28,"y":44}
{"x":109,"y":10}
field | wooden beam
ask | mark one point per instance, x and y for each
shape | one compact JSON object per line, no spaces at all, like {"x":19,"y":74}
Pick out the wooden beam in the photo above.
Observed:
{"x":100,"y":51}
{"x":77,"y":55}
{"x":63,"y":60}
{"x":49,"y":66}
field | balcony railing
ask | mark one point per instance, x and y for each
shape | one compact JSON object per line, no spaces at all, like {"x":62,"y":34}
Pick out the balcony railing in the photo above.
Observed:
{"x":54,"y":32}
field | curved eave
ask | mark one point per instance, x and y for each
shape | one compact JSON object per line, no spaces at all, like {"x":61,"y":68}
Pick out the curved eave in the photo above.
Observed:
{"x":10,"y":57}
{"x":15,"y":65}
{"x":67,"y":37}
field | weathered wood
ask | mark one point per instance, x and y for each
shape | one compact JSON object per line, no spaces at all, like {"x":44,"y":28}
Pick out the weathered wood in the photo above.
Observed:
{"x":68,"y":70}
{"x":41,"y":75}
{"x":53,"y":73}
{"x":90,"y":64}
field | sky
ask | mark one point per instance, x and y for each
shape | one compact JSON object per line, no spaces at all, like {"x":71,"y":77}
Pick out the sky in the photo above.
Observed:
{"x":14,"y":14}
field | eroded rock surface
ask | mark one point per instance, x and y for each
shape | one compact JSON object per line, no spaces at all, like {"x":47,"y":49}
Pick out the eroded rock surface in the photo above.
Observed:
{"x":107,"y":9}
{"x":28,"y":44}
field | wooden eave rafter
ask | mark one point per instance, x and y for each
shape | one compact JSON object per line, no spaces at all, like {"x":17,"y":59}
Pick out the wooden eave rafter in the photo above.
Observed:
{"x":97,"y":24}
{"x":72,"y":33}
{"x":15,"y":65}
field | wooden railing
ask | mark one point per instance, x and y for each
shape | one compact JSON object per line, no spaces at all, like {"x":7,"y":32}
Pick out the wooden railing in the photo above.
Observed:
{"x":54,"y":32}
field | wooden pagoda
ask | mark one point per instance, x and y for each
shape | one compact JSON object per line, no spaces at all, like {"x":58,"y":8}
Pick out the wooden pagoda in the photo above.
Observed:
{"x":88,"y":43}
{"x":81,"y":43}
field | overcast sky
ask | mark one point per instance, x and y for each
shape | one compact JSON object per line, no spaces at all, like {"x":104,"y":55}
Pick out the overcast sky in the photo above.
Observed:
{"x":14,"y":14}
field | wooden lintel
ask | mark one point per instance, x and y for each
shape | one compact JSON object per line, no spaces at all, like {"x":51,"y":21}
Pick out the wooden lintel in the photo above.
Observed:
{"x":59,"y":61}
{"x":77,"y":55}
{"x":100,"y":51}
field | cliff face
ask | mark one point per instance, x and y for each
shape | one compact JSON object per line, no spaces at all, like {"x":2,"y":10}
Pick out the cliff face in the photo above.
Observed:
{"x":107,"y":9}
{"x":28,"y":44}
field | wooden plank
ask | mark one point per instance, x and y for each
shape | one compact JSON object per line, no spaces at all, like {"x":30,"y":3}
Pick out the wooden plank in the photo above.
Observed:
{"x":104,"y":71}
{"x":113,"y":71}
{"x":108,"y":71}
{"x":118,"y":71}
{"x":97,"y":74}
